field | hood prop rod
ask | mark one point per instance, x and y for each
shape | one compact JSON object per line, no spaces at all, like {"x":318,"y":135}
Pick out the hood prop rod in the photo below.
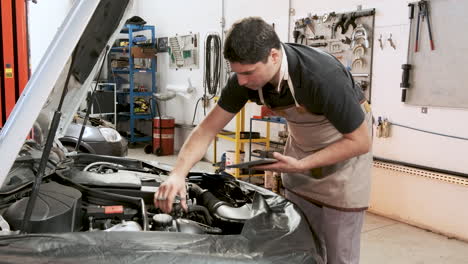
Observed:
{"x":90,"y":101}
{"x":46,"y":153}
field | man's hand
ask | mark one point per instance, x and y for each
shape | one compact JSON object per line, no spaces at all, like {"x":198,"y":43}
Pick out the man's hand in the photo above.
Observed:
{"x":192,"y":151}
{"x":164,"y":197}
{"x":284,"y":164}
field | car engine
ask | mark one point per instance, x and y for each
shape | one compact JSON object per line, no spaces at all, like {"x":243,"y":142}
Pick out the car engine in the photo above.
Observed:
{"x":91,"y":193}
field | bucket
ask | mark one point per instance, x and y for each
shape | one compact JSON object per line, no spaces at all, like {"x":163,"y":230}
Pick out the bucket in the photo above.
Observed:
{"x":163,"y":136}
{"x":231,"y":159}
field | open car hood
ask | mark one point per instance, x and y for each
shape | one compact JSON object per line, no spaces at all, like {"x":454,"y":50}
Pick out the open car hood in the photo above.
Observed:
{"x":89,"y":26}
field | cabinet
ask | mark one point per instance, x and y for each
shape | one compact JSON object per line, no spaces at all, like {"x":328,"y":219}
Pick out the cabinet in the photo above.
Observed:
{"x":239,"y":142}
{"x":97,"y":108}
{"x":134,"y":93}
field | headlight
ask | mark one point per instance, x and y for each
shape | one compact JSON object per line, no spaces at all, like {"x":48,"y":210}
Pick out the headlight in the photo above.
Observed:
{"x":110,"y":134}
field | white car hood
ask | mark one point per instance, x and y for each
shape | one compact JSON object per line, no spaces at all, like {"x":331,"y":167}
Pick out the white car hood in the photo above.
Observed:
{"x":89,"y":26}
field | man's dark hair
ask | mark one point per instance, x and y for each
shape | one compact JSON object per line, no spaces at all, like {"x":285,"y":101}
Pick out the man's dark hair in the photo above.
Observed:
{"x":249,"y":41}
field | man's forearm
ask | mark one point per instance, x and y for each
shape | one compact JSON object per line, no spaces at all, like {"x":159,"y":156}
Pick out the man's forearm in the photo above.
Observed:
{"x":351,"y":145}
{"x":339,"y":151}
{"x":192,"y":151}
{"x":196,"y":145}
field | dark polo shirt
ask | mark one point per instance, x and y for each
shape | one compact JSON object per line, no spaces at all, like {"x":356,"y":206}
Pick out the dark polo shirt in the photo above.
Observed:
{"x":321,"y":84}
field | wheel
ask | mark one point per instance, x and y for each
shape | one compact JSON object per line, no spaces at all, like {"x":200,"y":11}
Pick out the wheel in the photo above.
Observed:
{"x":148,"y":149}
{"x":158,"y":152}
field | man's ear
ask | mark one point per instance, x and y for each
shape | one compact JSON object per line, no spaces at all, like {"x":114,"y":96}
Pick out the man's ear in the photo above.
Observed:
{"x":275,"y":56}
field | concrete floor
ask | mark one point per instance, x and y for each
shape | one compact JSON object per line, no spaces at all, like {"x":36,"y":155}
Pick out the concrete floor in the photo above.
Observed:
{"x":383,"y":240}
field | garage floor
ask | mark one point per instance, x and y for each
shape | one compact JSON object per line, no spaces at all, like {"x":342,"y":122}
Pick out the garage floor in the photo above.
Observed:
{"x":383,"y":240}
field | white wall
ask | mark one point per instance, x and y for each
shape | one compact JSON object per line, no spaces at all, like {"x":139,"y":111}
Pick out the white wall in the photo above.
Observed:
{"x":272,"y":11}
{"x":204,"y":16}
{"x":181,"y":17}
{"x":44,"y":19}
{"x":431,"y":201}
{"x":391,"y":18}
{"x":404,"y":145}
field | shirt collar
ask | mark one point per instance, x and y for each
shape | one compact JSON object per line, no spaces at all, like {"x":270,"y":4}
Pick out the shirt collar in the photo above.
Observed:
{"x":284,"y":74}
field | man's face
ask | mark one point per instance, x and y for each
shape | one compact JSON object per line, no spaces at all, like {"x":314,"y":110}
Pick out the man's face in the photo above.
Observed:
{"x":255,"y":76}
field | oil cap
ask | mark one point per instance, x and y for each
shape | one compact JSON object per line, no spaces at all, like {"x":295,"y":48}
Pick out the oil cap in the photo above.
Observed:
{"x":162,"y":220}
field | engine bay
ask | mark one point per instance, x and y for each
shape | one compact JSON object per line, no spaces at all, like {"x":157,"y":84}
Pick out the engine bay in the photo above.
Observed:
{"x":87,"y":204}
{"x":89,"y":193}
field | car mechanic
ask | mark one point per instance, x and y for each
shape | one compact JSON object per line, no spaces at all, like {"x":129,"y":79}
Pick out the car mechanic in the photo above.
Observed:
{"x":327,"y":161}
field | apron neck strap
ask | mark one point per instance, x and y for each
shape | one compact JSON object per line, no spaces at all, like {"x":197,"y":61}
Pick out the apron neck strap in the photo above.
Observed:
{"x":284,"y":76}
{"x":291,"y":88}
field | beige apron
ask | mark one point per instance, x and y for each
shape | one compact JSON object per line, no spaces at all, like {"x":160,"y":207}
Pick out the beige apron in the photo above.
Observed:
{"x":344,"y":185}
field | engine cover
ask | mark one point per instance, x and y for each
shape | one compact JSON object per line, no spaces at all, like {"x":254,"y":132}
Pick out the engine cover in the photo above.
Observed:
{"x":57,"y":209}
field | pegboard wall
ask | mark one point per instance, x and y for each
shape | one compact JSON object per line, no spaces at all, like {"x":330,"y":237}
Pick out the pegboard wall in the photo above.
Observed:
{"x":184,"y":51}
{"x":347,"y":36}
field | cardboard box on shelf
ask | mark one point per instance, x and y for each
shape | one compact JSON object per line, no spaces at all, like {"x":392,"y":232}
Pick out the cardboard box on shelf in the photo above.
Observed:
{"x":143,"y":52}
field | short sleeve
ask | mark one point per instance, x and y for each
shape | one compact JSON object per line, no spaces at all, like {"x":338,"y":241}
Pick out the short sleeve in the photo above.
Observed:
{"x":338,"y":100}
{"x":233,"y":96}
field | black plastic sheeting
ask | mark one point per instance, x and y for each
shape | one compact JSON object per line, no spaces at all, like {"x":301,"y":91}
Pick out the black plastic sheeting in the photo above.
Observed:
{"x":278,"y":233}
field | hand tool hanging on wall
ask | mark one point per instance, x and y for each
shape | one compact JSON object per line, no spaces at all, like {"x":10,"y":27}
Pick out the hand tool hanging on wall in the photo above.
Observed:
{"x":308,"y":22}
{"x":349,"y":19}
{"x":423,"y":14}
{"x":340,"y":23}
{"x":380,"y":42}
{"x":298,"y":32}
{"x":317,"y":45}
{"x":359,"y":33}
{"x":298,"y":35}
{"x":407,"y":67}
{"x":392,"y":44}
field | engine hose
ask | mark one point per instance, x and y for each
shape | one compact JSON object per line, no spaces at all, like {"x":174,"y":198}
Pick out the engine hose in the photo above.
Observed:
{"x":212,"y":230}
{"x":196,"y":189}
{"x":207,"y":198}
{"x":221,"y":209}
{"x":211,"y":202}
{"x":200,"y":208}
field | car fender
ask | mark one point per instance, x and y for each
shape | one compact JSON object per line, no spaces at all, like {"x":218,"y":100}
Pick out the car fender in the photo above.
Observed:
{"x":74,"y":141}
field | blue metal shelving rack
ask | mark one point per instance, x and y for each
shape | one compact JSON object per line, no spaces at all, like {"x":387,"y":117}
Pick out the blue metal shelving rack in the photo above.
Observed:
{"x":131,"y":71}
